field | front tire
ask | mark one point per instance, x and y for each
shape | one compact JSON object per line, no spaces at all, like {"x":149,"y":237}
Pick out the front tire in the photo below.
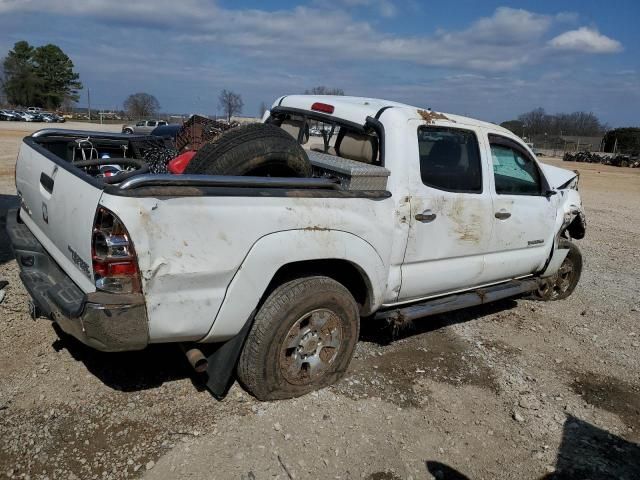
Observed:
{"x":563,"y":283}
{"x":302,"y":339}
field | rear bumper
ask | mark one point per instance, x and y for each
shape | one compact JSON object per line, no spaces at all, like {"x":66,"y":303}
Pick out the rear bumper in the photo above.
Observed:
{"x":104,"y":321}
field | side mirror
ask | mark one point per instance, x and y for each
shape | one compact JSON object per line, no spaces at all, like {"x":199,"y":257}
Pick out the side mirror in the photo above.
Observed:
{"x":550,"y":193}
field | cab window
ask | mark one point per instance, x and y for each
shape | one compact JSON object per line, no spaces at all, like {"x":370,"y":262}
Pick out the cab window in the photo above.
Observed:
{"x":515,"y":173}
{"x":151,"y":123}
{"x":450,"y":159}
{"x":140,"y":124}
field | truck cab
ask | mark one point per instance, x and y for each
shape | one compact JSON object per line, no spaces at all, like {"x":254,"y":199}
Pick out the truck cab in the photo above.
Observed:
{"x":475,"y":204}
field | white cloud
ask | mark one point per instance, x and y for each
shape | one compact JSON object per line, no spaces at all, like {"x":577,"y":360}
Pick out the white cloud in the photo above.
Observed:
{"x":385,"y":8}
{"x":508,"y":39}
{"x":585,"y":40}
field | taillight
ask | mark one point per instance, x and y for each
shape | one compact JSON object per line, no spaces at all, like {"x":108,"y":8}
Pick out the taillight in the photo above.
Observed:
{"x":115,"y":266}
{"x":322,"y":107}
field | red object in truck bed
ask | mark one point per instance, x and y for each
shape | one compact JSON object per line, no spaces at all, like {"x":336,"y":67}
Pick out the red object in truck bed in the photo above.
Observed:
{"x":178,"y":164}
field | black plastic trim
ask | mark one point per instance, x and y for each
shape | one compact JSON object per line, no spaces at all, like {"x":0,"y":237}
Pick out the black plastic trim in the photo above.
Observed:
{"x":47,"y":182}
{"x":203,"y":191}
{"x":381,"y":111}
{"x":222,"y":361}
{"x":378,"y":127}
{"x":317,"y":116}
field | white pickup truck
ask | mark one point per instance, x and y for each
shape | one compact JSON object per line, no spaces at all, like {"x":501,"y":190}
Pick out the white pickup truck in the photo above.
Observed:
{"x":407,"y":213}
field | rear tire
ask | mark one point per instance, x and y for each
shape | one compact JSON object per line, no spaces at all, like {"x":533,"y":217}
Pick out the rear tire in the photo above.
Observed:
{"x":128,"y":131}
{"x":563,"y":283}
{"x":302,"y":339}
{"x":257,"y":149}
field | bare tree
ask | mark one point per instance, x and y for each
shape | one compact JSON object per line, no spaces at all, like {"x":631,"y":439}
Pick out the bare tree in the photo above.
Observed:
{"x":263,"y":108}
{"x":230,"y":103}
{"x":538,"y":122}
{"x":322,"y":90}
{"x":139,"y":105}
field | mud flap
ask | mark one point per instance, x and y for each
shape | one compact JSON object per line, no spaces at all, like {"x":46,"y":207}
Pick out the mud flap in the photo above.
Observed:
{"x":223,"y":359}
{"x":555,"y":262}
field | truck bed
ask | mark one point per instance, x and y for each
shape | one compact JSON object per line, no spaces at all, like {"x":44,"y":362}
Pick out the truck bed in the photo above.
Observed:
{"x":339,"y":175}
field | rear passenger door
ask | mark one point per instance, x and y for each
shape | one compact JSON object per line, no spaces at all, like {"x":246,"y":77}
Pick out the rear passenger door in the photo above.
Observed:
{"x":524,"y":217}
{"x":451,"y":211}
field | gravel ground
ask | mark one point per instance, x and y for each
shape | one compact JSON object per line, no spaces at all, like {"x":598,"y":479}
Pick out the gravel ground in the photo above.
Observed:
{"x":517,"y":390}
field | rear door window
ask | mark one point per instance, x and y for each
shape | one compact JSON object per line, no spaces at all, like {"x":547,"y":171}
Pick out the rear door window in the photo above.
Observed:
{"x":450,"y":159}
{"x":151,"y":123}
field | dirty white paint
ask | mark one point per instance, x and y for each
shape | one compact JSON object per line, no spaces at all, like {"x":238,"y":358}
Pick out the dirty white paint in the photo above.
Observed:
{"x":205,"y":261}
{"x":197,"y":254}
{"x":61,"y":220}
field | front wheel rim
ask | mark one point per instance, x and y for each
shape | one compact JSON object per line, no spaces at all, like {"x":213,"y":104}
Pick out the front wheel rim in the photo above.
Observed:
{"x":311,"y":346}
{"x":565,"y":276}
{"x":560,"y":283}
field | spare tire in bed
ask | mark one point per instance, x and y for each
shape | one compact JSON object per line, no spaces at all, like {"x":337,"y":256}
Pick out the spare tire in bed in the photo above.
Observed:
{"x":257,"y":149}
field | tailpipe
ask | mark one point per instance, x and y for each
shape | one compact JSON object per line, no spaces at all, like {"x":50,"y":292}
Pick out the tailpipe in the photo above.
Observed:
{"x":196,"y":358}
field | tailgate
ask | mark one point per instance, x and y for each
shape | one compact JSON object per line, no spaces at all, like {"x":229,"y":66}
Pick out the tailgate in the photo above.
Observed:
{"x":58,"y":205}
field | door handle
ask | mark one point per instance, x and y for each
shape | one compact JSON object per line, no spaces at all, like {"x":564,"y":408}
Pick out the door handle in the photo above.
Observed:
{"x":47,"y":182}
{"x":426,"y":216}
{"x":502,"y":214}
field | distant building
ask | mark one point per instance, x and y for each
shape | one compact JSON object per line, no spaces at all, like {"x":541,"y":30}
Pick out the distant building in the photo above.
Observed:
{"x":590,"y":144}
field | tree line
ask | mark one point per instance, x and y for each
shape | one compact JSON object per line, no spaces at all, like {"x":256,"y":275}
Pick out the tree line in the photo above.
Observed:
{"x":537,"y":123}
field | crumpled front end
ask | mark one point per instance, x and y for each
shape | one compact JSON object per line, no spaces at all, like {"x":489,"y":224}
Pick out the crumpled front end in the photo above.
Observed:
{"x":575,"y":221}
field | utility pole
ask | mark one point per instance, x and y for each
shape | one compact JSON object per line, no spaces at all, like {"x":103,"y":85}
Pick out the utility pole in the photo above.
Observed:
{"x":89,"y":101}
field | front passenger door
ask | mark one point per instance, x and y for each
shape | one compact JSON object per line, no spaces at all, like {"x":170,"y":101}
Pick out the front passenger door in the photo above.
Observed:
{"x":524,"y":215}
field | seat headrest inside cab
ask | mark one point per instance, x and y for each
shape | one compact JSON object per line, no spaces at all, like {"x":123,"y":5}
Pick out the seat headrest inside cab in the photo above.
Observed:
{"x":359,"y":147}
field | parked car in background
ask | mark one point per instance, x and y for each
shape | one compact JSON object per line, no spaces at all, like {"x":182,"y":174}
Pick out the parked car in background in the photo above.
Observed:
{"x":24,"y":116}
{"x":9,"y":116}
{"x":167,"y":132}
{"x":50,"y":117}
{"x":143,"y":126}
{"x":34,"y":110}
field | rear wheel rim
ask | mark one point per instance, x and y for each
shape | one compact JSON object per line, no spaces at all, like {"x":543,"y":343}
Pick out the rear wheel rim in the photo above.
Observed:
{"x":311,"y":346}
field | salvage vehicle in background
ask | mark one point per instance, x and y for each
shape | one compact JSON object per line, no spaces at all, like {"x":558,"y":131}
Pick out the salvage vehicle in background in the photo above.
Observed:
{"x":143,"y":126}
{"x":266,"y":255}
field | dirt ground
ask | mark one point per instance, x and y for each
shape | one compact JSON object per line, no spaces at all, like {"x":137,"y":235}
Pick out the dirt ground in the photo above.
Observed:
{"x":515,"y":390}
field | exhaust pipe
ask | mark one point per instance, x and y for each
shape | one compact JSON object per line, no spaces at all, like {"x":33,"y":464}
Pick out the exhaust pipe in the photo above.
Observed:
{"x":196,"y":358}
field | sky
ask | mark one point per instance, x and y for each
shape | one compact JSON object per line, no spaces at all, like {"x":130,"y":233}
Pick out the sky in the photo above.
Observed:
{"x":485,"y":59}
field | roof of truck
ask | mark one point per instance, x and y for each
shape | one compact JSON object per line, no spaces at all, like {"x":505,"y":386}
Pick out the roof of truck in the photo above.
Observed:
{"x":357,"y":109}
